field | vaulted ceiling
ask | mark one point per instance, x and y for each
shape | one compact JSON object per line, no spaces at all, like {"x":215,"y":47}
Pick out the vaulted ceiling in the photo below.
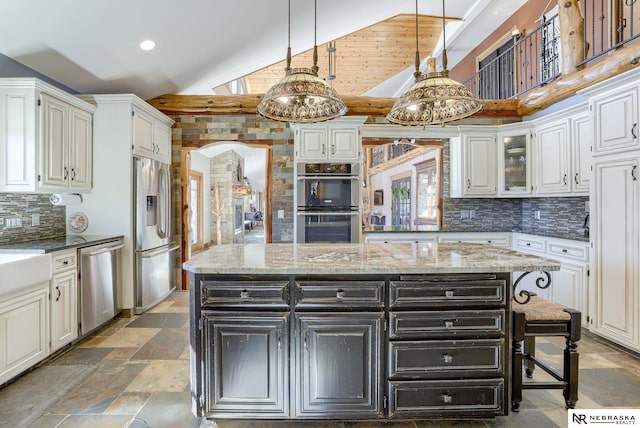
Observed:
{"x":92,"y":46}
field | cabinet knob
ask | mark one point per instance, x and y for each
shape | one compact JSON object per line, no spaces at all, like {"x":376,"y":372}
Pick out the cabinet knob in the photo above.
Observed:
{"x":339,"y":294}
{"x":448,"y":359}
{"x":448,"y":293}
{"x":446,"y":398}
{"x":244,"y":294}
{"x":448,"y":324}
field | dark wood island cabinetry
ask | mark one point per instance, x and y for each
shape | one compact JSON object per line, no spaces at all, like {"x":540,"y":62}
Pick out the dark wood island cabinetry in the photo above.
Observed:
{"x":352,"y":331}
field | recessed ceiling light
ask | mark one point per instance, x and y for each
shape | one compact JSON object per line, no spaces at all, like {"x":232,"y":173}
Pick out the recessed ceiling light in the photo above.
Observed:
{"x":147,"y":45}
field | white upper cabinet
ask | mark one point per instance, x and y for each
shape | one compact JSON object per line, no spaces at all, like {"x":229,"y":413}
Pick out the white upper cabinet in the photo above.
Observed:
{"x":615,"y":118}
{"x":66,"y":145}
{"x":553,"y":158}
{"x":473,"y":160}
{"x":514,"y":160}
{"x":334,"y":140}
{"x":562,"y":153}
{"x":152,"y":135}
{"x":46,"y":137}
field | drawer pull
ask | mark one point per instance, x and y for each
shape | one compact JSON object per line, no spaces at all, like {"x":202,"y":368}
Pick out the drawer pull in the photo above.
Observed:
{"x":564,"y":250}
{"x":528,"y":244}
{"x":66,"y":262}
{"x":339,"y":294}
{"x":448,"y":293}
{"x":448,"y":359}
{"x":278,"y":332}
{"x":244,"y":294}
{"x":446,"y":398}
{"x":448,"y":324}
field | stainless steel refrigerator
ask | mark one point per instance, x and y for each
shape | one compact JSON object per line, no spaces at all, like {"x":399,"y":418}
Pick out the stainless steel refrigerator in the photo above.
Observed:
{"x":155,"y":249}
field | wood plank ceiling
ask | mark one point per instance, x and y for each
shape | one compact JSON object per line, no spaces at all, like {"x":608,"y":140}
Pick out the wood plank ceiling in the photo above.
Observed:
{"x":364,"y":58}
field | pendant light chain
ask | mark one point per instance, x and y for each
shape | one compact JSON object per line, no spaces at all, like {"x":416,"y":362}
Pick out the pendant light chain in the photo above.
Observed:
{"x":315,"y":67}
{"x":288,"y":67}
{"x":444,"y":42}
{"x":416,"y":73}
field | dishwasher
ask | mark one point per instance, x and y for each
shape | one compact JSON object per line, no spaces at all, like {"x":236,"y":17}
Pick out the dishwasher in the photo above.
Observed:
{"x":99,"y":276}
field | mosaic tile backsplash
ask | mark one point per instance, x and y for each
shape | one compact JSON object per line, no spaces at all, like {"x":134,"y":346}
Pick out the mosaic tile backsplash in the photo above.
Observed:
{"x":52,"y":217}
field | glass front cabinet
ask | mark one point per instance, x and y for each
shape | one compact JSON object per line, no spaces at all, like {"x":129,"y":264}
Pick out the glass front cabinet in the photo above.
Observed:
{"x":514,"y":161}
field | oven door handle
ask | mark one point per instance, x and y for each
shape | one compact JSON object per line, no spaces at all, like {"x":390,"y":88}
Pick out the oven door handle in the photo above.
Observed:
{"x":328,"y":177}
{"x":328,"y":213}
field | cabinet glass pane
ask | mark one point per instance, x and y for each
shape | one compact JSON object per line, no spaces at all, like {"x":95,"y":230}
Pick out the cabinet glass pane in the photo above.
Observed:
{"x":515,"y":163}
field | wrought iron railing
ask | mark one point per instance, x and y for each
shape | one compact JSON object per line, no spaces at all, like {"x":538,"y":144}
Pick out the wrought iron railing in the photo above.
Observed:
{"x":535,"y":58}
{"x":532,"y":61}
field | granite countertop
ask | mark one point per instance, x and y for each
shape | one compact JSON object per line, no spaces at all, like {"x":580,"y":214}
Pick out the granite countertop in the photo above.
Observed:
{"x":57,"y":244}
{"x":363,"y":259}
{"x":434,"y":229}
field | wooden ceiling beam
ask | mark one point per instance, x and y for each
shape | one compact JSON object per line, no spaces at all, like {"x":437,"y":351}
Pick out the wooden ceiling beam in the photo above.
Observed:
{"x":246,"y":104}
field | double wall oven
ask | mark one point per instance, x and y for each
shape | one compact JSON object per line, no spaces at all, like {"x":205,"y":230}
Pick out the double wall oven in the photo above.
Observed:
{"x":327,"y":202}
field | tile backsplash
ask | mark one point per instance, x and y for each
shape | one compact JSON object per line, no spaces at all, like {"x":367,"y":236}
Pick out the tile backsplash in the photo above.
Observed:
{"x":23,"y":206}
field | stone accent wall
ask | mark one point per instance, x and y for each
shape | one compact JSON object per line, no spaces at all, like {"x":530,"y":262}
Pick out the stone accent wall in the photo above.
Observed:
{"x":223,"y":175}
{"x":52,"y":217}
{"x":208,"y":129}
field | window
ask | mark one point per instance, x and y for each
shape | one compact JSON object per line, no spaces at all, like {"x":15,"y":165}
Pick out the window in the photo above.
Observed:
{"x":427,"y":192}
{"x":497,"y":73}
{"x":195,"y":214}
{"x":401,"y":201}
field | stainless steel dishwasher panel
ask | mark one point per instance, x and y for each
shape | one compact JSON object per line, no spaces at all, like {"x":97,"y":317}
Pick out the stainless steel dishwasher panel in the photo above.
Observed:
{"x":99,"y":282}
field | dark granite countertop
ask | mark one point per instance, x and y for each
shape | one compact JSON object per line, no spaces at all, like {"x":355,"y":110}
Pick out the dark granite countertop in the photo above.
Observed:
{"x":57,"y":244}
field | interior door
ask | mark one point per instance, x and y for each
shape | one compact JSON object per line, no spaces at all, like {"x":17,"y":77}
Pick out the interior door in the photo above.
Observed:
{"x":185,"y":213}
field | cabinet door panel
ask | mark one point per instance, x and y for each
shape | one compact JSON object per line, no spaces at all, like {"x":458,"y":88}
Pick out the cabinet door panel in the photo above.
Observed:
{"x":553,"y":159}
{"x":344,"y":144}
{"x":247,"y":364}
{"x":23,"y":333}
{"x":55,"y":128}
{"x":142,"y":134}
{"x":64,"y":309}
{"x":616,"y":121}
{"x":616,"y":255}
{"x":312,"y":144}
{"x":338,"y":365}
{"x":81,"y":155}
{"x":581,"y":142}
{"x":480,"y":158}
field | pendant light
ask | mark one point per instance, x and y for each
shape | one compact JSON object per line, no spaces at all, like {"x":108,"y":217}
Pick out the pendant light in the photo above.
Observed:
{"x":301,"y":96}
{"x":434,"y":98}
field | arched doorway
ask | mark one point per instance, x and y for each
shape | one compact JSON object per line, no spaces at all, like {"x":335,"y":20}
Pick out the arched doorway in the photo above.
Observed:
{"x":248,"y":188}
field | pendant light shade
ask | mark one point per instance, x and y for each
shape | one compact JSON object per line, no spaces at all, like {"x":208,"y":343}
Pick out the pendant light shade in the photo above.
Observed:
{"x":301,"y":96}
{"x":434,"y":98}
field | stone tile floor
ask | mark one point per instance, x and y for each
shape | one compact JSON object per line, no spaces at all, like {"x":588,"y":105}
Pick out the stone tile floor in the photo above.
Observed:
{"x":135,"y":373}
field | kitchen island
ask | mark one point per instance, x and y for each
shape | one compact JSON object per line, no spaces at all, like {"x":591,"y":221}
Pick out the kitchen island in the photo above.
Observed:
{"x":352,"y":331}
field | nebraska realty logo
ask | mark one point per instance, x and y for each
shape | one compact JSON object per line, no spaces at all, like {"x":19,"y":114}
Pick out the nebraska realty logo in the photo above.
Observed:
{"x":599,"y":417}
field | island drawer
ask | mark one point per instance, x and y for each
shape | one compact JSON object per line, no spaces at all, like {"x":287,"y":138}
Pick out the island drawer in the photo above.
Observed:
{"x":339,"y":294}
{"x":463,"y":323}
{"x":250,"y":294}
{"x":437,"y":359}
{"x":421,"y":399}
{"x":428,"y":291}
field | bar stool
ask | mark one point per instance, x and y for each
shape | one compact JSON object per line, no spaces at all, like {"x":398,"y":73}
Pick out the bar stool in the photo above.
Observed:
{"x":539,"y":317}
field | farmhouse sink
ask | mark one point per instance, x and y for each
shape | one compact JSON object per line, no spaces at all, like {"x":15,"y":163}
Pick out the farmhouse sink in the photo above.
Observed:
{"x":21,"y":271}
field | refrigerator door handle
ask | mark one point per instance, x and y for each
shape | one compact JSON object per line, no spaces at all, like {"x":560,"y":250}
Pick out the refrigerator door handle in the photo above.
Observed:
{"x":163,"y":201}
{"x":150,"y":254}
